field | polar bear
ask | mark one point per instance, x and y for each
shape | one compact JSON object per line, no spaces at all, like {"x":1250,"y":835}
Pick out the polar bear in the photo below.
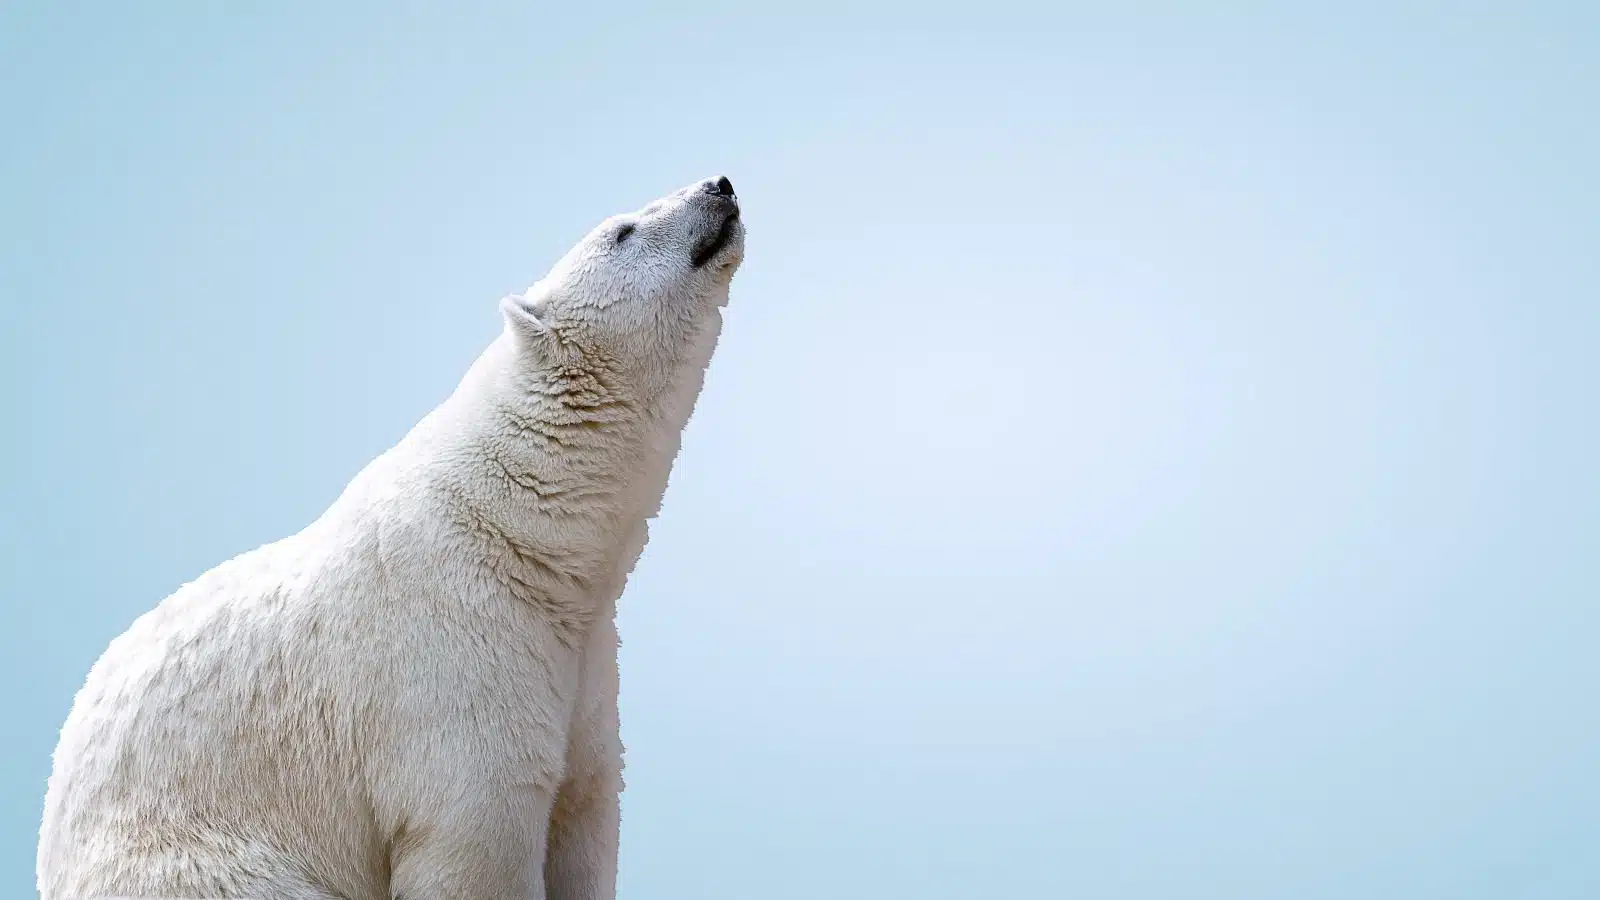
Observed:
{"x":416,"y":696}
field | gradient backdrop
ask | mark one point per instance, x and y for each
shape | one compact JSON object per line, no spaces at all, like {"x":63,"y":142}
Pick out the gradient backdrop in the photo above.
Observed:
{"x":1152,"y":453}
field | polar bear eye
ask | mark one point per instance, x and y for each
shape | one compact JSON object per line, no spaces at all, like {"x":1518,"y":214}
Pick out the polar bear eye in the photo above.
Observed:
{"x":623,"y":232}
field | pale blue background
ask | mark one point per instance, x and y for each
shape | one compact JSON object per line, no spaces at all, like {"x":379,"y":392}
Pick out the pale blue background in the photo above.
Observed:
{"x":1152,"y":454}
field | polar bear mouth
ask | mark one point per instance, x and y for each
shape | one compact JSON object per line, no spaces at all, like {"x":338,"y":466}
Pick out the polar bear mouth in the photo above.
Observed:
{"x":711,"y":248}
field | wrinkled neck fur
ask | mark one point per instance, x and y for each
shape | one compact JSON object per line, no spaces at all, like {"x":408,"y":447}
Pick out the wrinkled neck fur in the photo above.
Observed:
{"x":568,"y":450}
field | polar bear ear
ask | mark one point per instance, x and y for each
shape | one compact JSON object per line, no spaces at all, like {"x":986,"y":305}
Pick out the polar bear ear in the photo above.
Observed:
{"x":523,"y":318}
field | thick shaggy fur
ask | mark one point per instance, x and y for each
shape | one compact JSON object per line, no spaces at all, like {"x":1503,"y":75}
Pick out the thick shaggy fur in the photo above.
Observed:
{"x":416,"y":696}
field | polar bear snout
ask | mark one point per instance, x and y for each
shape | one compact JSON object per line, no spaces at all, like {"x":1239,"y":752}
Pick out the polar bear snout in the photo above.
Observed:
{"x":718,"y":187}
{"x":719,"y":226}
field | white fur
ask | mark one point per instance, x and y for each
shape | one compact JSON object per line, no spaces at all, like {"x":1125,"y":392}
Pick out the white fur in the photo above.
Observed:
{"x":416,"y":696}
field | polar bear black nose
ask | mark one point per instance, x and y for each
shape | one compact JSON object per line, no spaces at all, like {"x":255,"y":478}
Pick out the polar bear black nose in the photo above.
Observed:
{"x":722,"y":187}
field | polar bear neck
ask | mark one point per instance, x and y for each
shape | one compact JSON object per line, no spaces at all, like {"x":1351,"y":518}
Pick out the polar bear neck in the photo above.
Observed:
{"x":555,"y":470}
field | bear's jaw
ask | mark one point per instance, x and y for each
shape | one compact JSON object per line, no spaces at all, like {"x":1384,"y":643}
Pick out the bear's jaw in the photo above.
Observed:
{"x":706,"y":249}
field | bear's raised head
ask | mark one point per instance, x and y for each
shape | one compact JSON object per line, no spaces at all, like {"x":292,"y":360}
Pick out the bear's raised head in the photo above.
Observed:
{"x":641,"y":291}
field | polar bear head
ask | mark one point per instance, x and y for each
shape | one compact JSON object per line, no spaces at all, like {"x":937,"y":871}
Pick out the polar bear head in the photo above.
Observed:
{"x":640,"y":293}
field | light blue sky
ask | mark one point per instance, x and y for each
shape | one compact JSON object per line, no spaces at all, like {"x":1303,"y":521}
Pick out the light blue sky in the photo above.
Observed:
{"x":1152,"y":454}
